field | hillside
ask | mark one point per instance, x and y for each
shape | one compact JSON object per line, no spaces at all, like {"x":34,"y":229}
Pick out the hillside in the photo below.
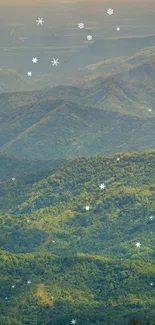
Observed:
{"x":56,"y":255}
{"x":35,"y":287}
{"x":11,"y":80}
{"x":54,"y":203}
{"x":12,"y":166}
{"x":113,"y":120}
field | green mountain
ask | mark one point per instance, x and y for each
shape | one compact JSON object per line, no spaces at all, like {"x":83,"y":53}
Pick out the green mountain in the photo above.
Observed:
{"x":89,"y":289}
{"x":58,"y":256}
{"x":54,"y":203}
{"x":111,"y":116}
{"x":12,"y":166}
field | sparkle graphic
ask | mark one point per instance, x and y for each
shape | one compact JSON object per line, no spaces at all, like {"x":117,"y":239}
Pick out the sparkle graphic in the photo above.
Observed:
{"x":13,"y":286}
{"x":34,"y":60}
{"x":81,"y":25}
{"x":151,"y":283}
{"x":87,"y":208}
{"x":29,"y":73}
{"x":55,"y":62}
{"x":73,"y":321}
{"x":138,"y":244}
{"x":110,"y":11}
{"x":118,"y":159}
{"x":118,"y":28}
{"x":89,"y":37}
{"x":102,"y":186}
{"x":40,"y":21}
{"x":29,"y":282}
{"x":13,"y":179}
{"x":53,"y":241}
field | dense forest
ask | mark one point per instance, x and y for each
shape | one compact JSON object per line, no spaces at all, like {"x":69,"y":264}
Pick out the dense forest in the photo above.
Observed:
{"x":69,"y":236}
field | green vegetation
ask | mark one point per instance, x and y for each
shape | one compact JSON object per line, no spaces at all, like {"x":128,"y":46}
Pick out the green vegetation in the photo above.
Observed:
{"x":82,"y":265}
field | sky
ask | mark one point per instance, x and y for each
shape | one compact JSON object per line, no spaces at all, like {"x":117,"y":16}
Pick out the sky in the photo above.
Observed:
{"x":45,"y":2}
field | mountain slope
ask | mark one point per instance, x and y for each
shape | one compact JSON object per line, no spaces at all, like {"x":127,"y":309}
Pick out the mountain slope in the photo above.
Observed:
{"x":12,"y":80}
{"x":54,"y":204}
{"x":56,"y":255}
{"x":87,"y":288}
{"x":12,"y":166}
{"x":54,"y":129}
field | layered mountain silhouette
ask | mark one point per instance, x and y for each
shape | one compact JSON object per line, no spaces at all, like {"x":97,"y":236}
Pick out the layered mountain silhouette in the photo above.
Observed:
{"x":107,"y":115}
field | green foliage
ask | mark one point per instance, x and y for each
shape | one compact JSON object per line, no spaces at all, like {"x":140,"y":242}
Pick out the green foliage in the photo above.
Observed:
{"x":89,"y":288}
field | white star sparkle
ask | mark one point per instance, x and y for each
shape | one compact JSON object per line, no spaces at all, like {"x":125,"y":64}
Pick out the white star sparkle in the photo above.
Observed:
{"x":40,"y":21}
{"x":138,"y":244}
{"x":29,"y":73}
{"x":29,"y":282}
{"x":102,"y":186}
{"x":73,"y":321}
{"x":34,"y":60}
{"x":13,"y":179}
{"x":55,"y":62}
{"x":87,"y":208}
{"x":118,"y":28}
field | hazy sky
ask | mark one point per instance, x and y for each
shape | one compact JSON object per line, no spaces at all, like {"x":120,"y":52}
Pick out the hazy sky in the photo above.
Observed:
{"x":45,"y":2}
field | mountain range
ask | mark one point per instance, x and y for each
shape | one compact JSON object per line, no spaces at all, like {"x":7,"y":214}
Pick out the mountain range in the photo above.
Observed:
{"x":103,"y":115}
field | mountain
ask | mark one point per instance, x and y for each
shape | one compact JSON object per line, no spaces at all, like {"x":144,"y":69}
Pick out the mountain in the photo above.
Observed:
{"x":56,"y":255}
{"x":12,"y":80}
{"x":108,"y":115}
{"x":90,"y":289}
{"x":54,"y":202}
{"x":12,"y":166}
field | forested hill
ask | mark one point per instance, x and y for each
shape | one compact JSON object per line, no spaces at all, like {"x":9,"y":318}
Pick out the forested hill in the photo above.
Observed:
{"x":78,"y":242}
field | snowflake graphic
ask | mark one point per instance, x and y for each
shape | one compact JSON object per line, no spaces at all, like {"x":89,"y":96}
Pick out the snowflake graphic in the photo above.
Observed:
{"x":89,"y":37}
{"x":40,"y":21}
{"x":55,"y":62}
{"x":34,"y":60}
{"x":81,"y":25}
{"x":110,"y":11}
